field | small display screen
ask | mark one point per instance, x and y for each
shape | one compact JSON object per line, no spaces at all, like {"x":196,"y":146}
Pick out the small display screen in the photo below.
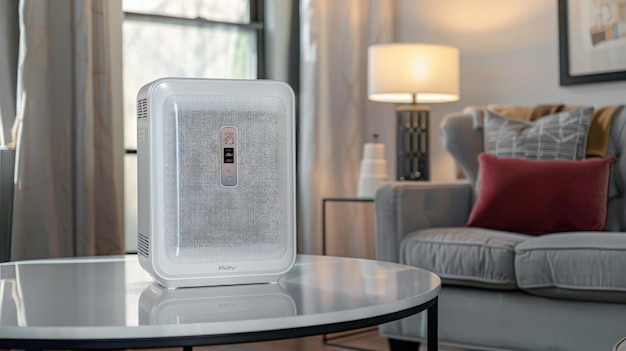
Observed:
{"x":229,"y":155}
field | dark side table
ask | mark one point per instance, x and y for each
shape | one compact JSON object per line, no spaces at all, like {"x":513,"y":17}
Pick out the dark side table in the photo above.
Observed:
{"x":337,"y":199}
{"x":327,"y":339}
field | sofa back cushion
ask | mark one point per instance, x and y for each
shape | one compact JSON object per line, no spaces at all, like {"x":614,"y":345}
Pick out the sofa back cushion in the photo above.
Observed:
{"x":616,"y":220}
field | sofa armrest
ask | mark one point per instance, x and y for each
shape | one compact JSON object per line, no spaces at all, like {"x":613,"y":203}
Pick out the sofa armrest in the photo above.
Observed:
{"x":403,"y":207}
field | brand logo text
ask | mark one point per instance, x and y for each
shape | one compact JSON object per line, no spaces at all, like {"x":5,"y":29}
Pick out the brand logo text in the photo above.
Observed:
{"x":226,"y":268}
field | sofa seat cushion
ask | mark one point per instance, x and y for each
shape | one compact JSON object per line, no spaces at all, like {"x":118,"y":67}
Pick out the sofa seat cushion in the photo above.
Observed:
{"x":464,"y":256}
{"x":582,"y":266}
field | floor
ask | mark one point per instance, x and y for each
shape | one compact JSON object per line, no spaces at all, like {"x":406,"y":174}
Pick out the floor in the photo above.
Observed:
{"x":365,"y":340}
{"x":368,"y":340}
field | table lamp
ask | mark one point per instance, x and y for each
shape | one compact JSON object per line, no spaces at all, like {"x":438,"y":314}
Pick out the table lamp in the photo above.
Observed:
{"x":412,"y":74}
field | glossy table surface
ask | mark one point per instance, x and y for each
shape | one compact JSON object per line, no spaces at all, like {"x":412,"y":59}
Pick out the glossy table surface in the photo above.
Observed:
{"x":111,"y":299}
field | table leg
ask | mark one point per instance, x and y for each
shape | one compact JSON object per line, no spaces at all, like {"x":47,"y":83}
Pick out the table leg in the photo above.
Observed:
{"x":324,"y":227}
{"x":433,"y":333}
{"x":187,"y":348}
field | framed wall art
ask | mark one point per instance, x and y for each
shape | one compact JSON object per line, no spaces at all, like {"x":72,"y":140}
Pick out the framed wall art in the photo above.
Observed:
{"x":592,"y":41}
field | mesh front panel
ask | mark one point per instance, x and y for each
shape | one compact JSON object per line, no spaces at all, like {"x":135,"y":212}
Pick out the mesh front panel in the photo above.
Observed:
{"x":205,"y":221}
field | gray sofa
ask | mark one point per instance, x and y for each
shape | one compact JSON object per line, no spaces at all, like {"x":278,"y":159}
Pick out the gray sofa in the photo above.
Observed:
{"x":501,"y":290}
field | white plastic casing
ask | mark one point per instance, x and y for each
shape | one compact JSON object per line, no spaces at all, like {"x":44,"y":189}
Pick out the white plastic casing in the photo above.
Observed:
{"x":195,"y":228}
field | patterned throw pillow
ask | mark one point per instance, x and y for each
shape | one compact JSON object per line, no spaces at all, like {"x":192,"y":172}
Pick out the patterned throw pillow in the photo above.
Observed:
{"x":560,"y":136}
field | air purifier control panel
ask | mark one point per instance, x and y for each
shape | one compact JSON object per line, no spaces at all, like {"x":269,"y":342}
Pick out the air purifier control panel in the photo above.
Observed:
{"x":228,"y":136}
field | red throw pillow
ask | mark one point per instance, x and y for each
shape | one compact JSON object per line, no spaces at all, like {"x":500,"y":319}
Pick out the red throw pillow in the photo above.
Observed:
{"x":539,"y":196}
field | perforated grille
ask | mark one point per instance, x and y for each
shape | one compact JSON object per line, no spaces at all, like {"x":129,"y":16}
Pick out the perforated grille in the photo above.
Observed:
{"x":142,"y":108}
{"x":143,"y":245}
{"x":205,"y":221}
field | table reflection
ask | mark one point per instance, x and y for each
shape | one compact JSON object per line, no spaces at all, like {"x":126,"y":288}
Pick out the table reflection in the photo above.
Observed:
{"x":159,"y":306}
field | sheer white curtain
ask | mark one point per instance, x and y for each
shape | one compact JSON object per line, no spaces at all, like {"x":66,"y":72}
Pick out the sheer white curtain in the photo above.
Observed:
{"x":335,"y":114}
{"x":9,"y":37}
{"x":68,"y":192}
{"x":8,"y":63}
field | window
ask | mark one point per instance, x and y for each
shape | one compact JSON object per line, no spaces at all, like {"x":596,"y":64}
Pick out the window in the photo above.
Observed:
{"x":182,"y":38}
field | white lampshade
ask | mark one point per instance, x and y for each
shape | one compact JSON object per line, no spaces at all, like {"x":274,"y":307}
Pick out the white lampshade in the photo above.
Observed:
{"x":409,"y":72}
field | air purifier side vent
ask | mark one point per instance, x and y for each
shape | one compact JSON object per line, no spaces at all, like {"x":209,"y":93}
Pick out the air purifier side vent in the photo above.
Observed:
{"x":144,"y":317}
{"x":142,"y":108}
{"x":143,"y":245}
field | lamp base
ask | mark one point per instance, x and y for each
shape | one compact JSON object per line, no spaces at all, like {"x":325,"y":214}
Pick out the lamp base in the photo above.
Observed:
{"x":412,"y":142}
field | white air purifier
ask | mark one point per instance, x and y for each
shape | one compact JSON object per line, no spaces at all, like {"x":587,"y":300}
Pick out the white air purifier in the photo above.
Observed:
{"x":216,"y":180}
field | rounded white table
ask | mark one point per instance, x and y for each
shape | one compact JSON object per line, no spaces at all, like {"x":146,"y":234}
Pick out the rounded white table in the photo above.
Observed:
{"x":111,"y":303}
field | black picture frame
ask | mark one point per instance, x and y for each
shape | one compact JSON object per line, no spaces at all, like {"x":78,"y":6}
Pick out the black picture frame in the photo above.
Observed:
{"x":564,"y":56}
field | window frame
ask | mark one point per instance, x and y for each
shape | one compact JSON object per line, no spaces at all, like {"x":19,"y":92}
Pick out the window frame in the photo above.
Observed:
{"x":256,"y":23}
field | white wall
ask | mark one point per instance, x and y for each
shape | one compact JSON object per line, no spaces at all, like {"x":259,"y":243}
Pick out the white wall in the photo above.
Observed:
{"x":509,"y":55}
